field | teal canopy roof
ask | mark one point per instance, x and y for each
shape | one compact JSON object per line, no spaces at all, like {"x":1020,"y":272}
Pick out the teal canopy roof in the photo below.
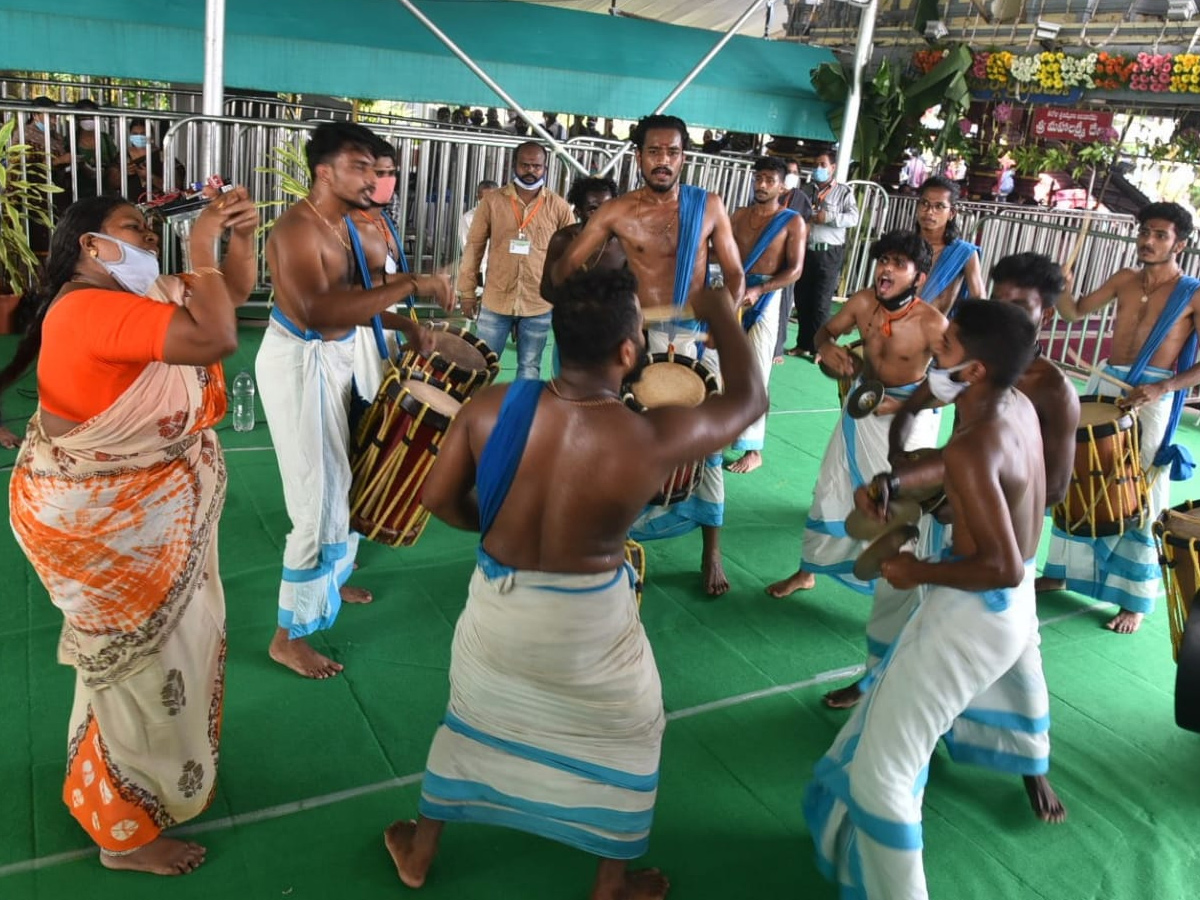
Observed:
{"x":375,"y":49}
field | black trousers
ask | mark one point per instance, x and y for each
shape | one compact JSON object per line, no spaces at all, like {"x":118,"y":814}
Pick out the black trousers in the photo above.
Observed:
{"x":814,"y":292}
{"x":787,"y":300}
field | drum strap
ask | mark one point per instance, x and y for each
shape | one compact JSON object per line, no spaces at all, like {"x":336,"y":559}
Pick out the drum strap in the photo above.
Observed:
{"x":501,"y":455}
{"x":1169,"y":453}
{"x":360,"y":259}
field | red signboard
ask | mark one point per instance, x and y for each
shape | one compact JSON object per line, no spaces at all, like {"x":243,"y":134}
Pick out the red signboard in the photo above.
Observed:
{"x":1071,"y":124}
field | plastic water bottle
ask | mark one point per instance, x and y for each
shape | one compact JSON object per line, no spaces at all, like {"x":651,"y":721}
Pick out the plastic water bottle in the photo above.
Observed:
{"x":243,"y":401}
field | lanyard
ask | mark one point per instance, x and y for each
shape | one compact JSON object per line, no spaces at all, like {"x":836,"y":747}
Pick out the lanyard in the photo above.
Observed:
{"x":521,"y":226}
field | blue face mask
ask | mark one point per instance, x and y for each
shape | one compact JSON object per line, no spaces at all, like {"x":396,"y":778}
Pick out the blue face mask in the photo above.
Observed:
{"x":39,"y":125}
{"x":820,"y":175}
{"x":137,"y":140}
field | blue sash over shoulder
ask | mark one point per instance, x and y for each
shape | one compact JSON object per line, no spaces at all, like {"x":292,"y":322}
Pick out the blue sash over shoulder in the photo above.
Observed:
{"x":776,"y":225}
{"x":505,"y":445}
{"x":1169,"y":454}
{"x":691,"y":223}
{"x":949,"y":266}
{"x":360,"y":259}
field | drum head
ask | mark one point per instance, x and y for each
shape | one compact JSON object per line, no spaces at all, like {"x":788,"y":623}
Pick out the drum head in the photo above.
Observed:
{"x":887,"y":545}
{"x":432,"y":396}
{"x":1181,"y":524}
{"x":669,"y":384}
{"x":864,"y":399}
{"x":666,"y":312}
{"x":453,"y":347}
{"x":855,"y":349}
{"x":1097,"y":412}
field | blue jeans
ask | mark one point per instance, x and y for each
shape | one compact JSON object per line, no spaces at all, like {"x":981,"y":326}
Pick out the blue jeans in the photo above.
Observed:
{"x":493,"y":329}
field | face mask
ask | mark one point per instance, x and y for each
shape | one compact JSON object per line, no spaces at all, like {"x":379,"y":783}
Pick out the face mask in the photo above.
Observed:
{"x":820,"y":175}
{"x":40,"y":126}
{"x":385,"y":187}
{"x":525,"y":186}
{"x":791,"y":181}
{"x":135,"y":270}
{"x":137,"y":140}
{"x":943,"y":386}
{"x":88,"y":126}
{"x":898,"y":302}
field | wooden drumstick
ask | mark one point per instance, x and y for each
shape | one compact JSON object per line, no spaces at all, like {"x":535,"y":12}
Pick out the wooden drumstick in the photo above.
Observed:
{"x":1069,"y":266}
{"x":1098,"y":372}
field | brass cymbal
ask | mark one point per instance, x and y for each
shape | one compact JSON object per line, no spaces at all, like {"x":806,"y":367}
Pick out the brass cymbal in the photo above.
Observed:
{"x":887,"y":545}
{"x":864,"y":399}
{"x":901,"y":512}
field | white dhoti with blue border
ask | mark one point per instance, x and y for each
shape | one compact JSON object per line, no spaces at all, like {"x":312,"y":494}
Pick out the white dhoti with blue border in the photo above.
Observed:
{"x":762,"y":336}
{"x":1121,"y":569}
{"x":856,"y":453}
{"x":863,"y":806}
{"x":706,"y":505}
{"x":304,"y":383}
{"x":555,"y":719}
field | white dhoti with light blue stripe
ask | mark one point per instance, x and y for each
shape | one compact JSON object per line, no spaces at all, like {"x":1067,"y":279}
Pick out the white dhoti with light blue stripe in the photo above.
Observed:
{"x":863,"y":806}
{"x":555,"y":720}
{"x":1121,"y":569}
{"x":857,"y":452}
{"x":706,"y":505}
{"x":762,"y":336}
{"x":304,"y":383}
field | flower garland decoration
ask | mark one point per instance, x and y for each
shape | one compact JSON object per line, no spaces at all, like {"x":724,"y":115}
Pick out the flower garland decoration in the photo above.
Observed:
{"x":1185,"y":74}
{"x":925,"y":61}
{"x":1077,"y":70}
{"x":1152,"y":72}
{"x":1113,"y":71}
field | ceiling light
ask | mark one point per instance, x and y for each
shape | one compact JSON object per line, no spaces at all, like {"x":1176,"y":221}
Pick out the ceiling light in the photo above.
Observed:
{"x":1047,"y":31}
{"x":1181,"y":10}
{"x":935,"y":29}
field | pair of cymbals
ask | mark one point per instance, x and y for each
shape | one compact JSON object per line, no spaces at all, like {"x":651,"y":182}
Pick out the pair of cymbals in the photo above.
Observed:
{"x":863,"y":527}
{"x":868,"y":566}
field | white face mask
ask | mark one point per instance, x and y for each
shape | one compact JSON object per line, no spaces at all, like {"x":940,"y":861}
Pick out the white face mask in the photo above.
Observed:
{"x":135,"y":270}
{"x":943,"y":386}
{"x":88,"y":126}
{"x":791,"y":181}
{"x":527,"y":186}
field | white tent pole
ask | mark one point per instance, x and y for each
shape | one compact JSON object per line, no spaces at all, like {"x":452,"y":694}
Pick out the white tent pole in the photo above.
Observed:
{"x":214,"y":84}
{"x":689,"y":78}
{"x":541,"y":132}
{"x":862,"y":55}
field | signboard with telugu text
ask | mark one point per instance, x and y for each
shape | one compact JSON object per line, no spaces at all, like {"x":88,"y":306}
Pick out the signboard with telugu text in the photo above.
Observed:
{"x":1071,"y":125}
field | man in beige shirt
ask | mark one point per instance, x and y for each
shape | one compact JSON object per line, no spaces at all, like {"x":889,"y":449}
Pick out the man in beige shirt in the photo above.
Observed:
{"x":516,"y":224}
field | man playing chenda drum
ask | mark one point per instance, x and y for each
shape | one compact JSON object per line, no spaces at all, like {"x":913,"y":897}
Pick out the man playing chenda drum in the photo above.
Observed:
{"x":899,"y":335}
{"x":555,"y":719}
{"x":304,"y":370}
{"x":1154,"y":349}
{"x":664,"y":228}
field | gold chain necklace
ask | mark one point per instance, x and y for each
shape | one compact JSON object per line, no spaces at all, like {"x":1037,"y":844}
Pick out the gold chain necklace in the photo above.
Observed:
{"x":337,"y":234}
{"x":583,"y":401}
{"x":1146,"y":293}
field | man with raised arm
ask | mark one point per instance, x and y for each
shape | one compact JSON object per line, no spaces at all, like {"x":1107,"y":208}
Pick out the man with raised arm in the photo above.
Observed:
{"x":304,"y":369}
{"x":555,"y":719}
{"x":665,"y":229}
{"x":976,"y":623}
{"x":899,"y":335}
{"x":771,"y":239}
{"x":1154,"y":350}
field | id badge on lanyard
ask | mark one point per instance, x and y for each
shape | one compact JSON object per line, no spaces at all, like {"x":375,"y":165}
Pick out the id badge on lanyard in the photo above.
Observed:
{"x":520,"y":245}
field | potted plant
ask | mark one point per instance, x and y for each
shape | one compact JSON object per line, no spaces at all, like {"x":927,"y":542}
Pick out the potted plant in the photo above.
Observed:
{"x":24,"y":190}
{"x":1029,"y":161}
{"x":981,"y":179}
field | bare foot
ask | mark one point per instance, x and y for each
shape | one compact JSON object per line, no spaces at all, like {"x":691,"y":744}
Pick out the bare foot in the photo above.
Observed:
{"x":844,"y":698}
{"x":798,"y":581}
{"x":355,"y":594}
{"x":1045,"y":585}
{"x":162,"y":856}
{"x":8,"y":439}
{"x":640,"y":884}
{"x":713,"y":572}
{"x":399,"y":838}
{"x":777,"y":361}
{"x":750,"y":461}
{"x":1125,"y":622}
{"x":1045,"y":803}
{"x":302,"y":659}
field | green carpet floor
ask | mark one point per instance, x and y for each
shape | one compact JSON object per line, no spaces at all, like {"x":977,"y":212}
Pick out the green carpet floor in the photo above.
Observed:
{"x":312,"y":772}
